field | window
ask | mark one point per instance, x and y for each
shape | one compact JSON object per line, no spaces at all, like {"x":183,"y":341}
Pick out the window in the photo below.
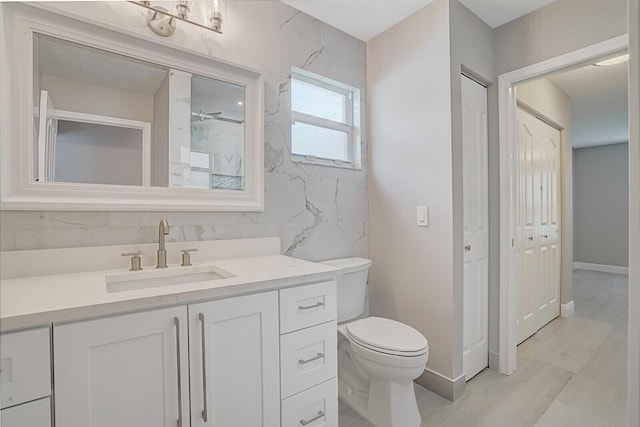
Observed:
{"x":325,"y":126}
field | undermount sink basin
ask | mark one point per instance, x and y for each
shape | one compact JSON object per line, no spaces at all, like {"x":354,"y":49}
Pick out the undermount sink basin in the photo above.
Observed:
{"x":153,"y":278}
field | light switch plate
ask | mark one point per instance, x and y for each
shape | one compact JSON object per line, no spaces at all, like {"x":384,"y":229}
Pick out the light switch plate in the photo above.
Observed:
{"x":423,"y":216}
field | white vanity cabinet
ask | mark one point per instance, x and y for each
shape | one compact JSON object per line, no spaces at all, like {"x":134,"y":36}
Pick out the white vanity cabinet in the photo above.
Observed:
{"x":254,"y":347}
{"x":126,"y":370}
{"x":25,"y":378}
{"x":136,"y":369}
{"x":235,"y":376}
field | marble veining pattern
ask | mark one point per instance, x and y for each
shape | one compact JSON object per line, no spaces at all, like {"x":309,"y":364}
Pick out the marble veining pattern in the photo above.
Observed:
{"x":318,"y":212}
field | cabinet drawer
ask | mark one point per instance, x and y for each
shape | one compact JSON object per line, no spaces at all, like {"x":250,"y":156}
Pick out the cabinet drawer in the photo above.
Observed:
{"x":306,"y":306}
{"x":32,"y":414}
{"x":308,"y":357}
{"x":25,"y":366}
{"x":316,"y":407}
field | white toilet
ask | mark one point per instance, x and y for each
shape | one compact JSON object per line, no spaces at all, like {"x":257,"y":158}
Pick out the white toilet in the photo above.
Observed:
{"x":378,"y":359}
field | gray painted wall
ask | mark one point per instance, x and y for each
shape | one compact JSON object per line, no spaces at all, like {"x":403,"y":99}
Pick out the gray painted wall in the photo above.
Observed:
{"x":413,"y":71}
{"x":411,"y":277}
{"x":601,"y":205}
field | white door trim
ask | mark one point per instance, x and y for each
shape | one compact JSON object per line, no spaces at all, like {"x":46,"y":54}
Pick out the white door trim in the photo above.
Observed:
{"x":508,"y":168}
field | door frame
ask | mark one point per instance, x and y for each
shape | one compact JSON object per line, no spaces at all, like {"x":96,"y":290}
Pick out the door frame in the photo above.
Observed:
{"x":507,"y":102}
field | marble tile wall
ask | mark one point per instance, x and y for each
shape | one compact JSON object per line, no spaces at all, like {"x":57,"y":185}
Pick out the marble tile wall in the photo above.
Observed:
{"x":319,"y":212}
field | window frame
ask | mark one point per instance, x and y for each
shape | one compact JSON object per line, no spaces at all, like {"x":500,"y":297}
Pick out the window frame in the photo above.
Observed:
{"x":351,"y":127}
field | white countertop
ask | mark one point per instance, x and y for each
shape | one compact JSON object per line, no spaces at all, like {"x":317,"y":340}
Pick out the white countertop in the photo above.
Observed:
{"x":39,"y":300}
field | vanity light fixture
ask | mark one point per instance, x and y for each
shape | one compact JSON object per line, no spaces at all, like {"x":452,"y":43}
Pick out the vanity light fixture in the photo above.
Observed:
{"x":613,"y":61}
{"x":162,"y":15}
{"x":215,"y":17}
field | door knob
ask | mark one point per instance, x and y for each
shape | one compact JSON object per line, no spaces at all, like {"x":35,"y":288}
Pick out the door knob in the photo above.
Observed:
{"x":467,"y":248}
{"x":530,"y":238}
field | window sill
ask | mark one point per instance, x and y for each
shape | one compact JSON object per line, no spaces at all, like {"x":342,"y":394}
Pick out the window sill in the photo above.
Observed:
{"x":323,"y":162}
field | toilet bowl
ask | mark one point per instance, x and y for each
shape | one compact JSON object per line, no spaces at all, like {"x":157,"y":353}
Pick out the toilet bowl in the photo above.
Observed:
{"x":378,"y":358}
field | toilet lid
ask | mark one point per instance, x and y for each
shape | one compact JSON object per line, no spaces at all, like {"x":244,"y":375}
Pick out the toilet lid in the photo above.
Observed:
{"x":387,"y":336}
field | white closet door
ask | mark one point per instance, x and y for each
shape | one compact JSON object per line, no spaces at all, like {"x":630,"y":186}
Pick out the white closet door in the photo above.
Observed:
{"x":538,"y":224}
{"x":476,"y":224}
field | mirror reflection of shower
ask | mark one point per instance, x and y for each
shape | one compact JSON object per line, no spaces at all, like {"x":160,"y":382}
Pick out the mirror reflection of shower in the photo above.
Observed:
{"x":105,"y":118}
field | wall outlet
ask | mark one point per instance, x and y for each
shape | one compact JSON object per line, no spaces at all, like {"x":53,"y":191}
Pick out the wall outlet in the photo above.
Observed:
{"x":423,"y":216}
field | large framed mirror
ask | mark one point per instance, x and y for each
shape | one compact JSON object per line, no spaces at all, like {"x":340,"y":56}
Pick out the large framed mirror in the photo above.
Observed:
{"x":102,"y":120}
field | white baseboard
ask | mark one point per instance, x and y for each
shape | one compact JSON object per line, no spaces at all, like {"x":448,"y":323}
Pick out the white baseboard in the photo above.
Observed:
{"x":601,"y":267}
{"x":568,"y":309}
{"x":450,"y":389}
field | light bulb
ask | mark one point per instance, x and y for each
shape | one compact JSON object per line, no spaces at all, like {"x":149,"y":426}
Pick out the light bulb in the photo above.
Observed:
{"x":613,"y":61}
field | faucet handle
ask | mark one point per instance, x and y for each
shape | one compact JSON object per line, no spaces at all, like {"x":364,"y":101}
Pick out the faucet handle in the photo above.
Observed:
{"x":135,"y":260}
{"x":186,"y":256}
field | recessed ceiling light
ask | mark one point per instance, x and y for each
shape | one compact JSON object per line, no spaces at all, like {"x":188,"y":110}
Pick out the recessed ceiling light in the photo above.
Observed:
{"x":239,"y":102}
{"x":613,"y":61}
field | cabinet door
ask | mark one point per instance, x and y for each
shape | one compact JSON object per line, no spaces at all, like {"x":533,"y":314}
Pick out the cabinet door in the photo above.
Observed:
{"x":239,"y":382}
{"x":25,"y":366}
{"x":32,"y":414}
{"x":128,"y":370}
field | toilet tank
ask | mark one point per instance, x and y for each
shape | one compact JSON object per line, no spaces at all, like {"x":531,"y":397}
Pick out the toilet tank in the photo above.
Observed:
{"x":351,"y":286}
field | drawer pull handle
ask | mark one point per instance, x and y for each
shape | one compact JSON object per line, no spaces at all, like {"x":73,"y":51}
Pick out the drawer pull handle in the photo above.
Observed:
{"x":304,"y":362}
{"x":205,"y":411}
{"x":308,"y":307}
{"x":317,"y":417}
{"x":176,"y":322}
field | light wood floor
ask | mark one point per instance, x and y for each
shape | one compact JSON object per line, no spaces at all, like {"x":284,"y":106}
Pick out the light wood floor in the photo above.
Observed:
{"x":571,"y":373}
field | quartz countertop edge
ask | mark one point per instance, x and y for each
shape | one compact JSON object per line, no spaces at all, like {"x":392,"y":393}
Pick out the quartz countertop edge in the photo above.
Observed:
{"x":30,"y":302}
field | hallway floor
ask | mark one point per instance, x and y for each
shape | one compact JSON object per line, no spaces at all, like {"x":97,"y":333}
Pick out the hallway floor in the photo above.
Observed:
{"x":571,"y":373}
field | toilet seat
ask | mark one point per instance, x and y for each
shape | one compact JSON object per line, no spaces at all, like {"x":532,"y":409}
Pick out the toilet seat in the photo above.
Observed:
{"x":387,"y":336}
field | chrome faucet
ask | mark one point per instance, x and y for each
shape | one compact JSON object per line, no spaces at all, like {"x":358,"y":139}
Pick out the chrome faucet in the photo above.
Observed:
{"x":163,"y":230}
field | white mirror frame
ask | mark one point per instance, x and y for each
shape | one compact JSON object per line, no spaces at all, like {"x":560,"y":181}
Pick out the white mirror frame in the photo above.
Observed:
{"x":18,"y":191}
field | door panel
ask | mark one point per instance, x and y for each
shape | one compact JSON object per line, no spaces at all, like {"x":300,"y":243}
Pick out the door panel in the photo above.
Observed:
{"x":538,"y":224}
{"x":239,"y":382}
{"x":476,"y":212}
{"x":123,"y":370}
{"x":33,"y":414}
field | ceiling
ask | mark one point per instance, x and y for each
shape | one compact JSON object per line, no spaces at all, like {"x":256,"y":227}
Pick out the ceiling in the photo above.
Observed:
{"x":498,"y":12}
{"x":71,"y":61}
{"x":599,"y":105}
{"x":365,"y":19}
